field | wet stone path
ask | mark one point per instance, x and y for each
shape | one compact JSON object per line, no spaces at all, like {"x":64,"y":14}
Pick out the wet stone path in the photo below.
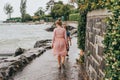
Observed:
{"x":45,"y":67}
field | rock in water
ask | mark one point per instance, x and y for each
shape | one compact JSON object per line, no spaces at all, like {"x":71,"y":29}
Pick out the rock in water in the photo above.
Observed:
{"x":74,"y":31}
{"x":42,"y":43}
{"x":19,"y":51}
{"x":50,"y":29}
{"x":70,"y":27}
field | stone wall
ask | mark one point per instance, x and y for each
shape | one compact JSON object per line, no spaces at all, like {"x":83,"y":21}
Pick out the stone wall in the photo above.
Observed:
{"x":95,"y":30}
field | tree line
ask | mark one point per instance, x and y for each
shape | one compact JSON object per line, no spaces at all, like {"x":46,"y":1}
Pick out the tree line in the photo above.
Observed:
{"x":56,"y":10}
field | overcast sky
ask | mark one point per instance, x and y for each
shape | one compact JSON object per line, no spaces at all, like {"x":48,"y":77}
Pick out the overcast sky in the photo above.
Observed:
{"x":32,"y":6}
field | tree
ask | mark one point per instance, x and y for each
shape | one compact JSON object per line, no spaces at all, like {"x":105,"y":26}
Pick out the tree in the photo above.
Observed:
{"x":50,"y":4}
{"x":72,"y":2}
{"x":66,"y":11}
{"x":59,"y":10}
{"x":27,"y":17}
{"x":59,"y":2}
{"x":23,"y":9}
{"x":8,"y":10}
{"x":39,"y":12}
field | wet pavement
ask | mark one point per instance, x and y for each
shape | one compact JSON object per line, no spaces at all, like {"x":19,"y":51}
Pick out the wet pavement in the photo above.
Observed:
{"x":45,"y":67}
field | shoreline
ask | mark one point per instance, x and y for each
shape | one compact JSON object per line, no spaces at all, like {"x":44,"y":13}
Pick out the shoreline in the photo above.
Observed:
{"x":38,"y":23}
{"x":7,"y":53}
{"x":16,"y":63}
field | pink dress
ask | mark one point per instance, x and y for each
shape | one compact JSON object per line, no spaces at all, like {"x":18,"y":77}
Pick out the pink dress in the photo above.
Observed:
{"x":59,"y":42}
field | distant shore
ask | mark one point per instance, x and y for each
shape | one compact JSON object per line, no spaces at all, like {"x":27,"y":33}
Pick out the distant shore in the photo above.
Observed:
{"x":36,"y":22}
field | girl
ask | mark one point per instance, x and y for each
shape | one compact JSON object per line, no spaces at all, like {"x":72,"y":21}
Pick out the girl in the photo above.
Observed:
{"x":68,"y":37}
{"x":59,"y":43}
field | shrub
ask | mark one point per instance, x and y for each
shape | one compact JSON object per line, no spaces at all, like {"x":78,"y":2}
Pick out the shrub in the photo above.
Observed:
{"x":74,"y":17}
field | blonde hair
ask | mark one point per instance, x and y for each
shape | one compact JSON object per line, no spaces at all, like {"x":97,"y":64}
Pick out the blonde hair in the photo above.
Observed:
{"x":59,"y":22}
{"x":59,"y":19}
{"x":65,"y":26}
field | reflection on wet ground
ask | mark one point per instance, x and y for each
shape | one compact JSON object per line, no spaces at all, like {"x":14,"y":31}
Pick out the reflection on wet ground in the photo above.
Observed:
{"x":45,"y":67}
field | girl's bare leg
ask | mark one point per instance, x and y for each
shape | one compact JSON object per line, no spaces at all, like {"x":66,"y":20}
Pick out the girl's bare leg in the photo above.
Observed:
{"x":59,"y":61}
{"x":63,"y":61}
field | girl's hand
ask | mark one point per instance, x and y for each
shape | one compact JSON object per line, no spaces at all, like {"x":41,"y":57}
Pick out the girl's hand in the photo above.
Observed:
{"x":67,"y":46}
{"x":52,"y":46}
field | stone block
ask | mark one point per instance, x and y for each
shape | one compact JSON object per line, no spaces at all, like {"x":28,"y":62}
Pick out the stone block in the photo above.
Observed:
{"x":99,"y":39}
{"x":104,"y":25}
{"x":88,"y":47}
{"x":92,"y":73}
{"x":101,"y":74}
{"x":89,"y":36}
{"x":98,"y":25}
{"x":93,"y":38}
{"x":94,"y":50}
{"x":100,"y":51}
{"x":97,"y":31}
{"x":102,"y":65}
{"x":90,"y":23}
{"x":99,"y":78}
{"x":97,"y":19}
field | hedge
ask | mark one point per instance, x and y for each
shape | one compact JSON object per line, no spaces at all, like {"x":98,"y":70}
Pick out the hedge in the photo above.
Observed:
{"x":74,"y":17}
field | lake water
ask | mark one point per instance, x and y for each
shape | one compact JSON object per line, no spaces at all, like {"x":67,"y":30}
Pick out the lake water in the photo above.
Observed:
{"x":13,"y":36}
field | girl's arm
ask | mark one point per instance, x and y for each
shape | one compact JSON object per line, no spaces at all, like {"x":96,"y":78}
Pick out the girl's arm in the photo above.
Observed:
{"x":53,"y":38}
{"x":66,"y":40}
{"x":70,"y":40}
